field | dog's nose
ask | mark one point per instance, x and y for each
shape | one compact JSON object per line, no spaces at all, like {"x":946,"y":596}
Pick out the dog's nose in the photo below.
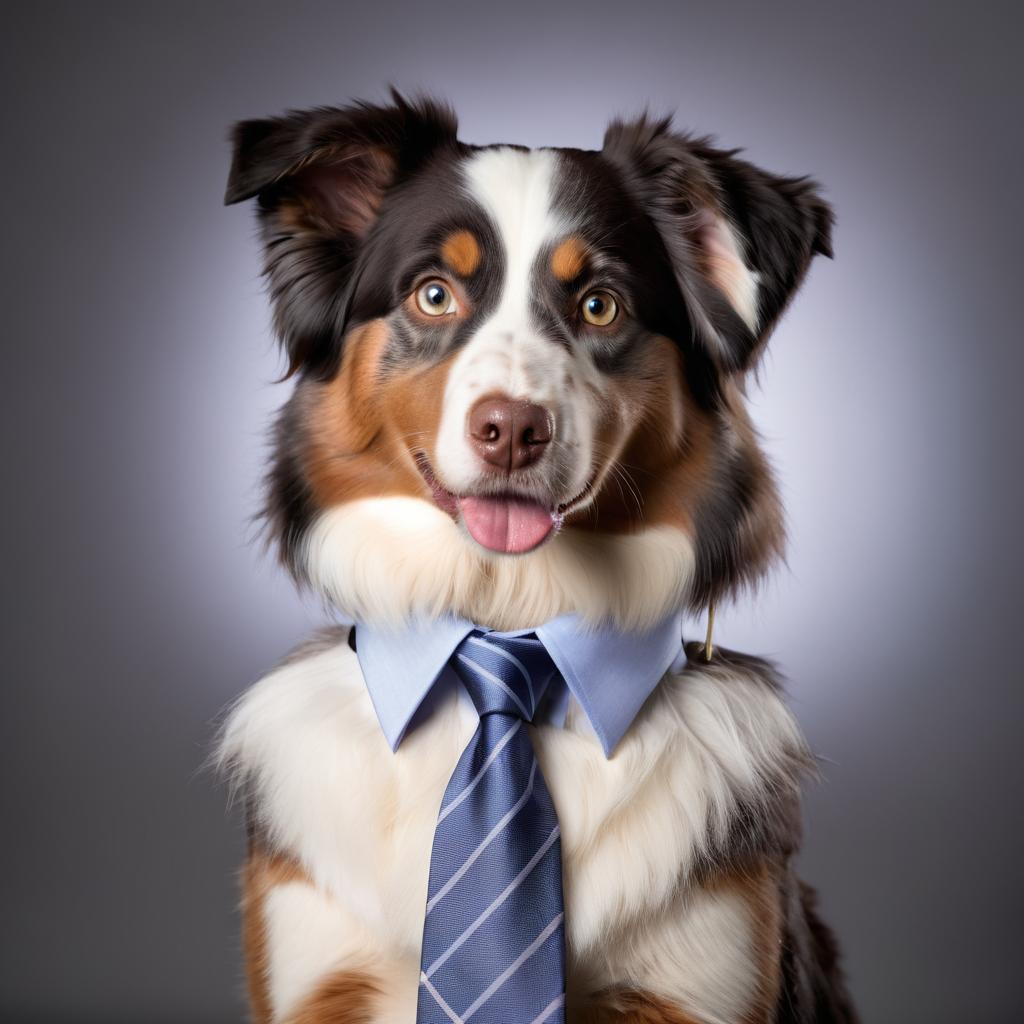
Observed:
{"x":509,"y":433}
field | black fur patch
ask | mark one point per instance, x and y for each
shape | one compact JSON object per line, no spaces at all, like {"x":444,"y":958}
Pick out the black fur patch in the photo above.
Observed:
{"x":738,"y":524}
{"x":813,"y":990}
{"x":784,"y":222}
{"x":290,"y":509}
{"x":321,"y":177}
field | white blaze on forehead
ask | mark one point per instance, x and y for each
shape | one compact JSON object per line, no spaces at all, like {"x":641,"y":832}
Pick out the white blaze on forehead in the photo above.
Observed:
{"x":509,"y":353}
{"x":516,"y":189}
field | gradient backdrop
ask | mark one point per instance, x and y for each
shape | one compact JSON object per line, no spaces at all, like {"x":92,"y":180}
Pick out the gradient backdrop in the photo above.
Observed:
{"x":137,"y":389}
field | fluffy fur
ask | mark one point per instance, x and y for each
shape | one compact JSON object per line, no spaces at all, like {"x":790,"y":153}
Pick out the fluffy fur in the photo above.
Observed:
{"x":649,"y":480}
{"x":385,"y":559}
{"x":712,"y":744}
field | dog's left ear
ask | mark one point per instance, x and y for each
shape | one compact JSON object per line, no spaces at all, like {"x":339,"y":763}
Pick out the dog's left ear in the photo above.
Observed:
{"x":740,"y":239}
{"x":322,"y":177}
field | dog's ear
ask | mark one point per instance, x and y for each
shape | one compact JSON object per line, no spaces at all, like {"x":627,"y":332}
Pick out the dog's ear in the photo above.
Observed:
{"x":321,"y":176}
{"x":739,"y":239}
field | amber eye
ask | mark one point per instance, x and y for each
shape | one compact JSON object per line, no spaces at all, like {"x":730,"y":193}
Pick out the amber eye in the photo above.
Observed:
{"x":435,"y":299}
{"x":599,"y":308}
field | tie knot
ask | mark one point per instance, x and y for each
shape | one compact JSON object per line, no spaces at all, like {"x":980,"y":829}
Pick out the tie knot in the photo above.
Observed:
{"x":504,"y":675}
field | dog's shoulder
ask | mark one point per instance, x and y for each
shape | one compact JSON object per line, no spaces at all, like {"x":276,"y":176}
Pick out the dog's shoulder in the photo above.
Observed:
{"x":311,"y":704}
{"x":755,"y":746}
{"x":322,"y":785}
{"x":302,"y":722}
{"x":705,"y":782}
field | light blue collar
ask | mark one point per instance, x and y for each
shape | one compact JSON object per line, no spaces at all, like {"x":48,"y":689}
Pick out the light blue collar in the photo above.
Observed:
{"x":609,"y":671}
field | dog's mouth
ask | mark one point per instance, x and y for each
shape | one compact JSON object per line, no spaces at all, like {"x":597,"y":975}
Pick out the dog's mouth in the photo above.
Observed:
{"x":506,"y":522}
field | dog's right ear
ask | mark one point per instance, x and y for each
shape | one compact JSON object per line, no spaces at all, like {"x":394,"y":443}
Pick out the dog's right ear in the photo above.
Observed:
{"x":321,"y":176}
{"x":740,"y":239}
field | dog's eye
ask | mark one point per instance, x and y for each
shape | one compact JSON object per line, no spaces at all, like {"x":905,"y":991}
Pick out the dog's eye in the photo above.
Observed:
{"x":435,"y":299}
{"x":599,"y":308}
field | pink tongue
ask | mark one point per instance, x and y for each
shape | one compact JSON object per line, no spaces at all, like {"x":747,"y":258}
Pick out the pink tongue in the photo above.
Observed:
{"x":506,"y":524}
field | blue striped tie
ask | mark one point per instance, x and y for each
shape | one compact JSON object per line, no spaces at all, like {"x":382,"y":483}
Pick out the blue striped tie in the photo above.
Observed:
{"x":493,"y":936}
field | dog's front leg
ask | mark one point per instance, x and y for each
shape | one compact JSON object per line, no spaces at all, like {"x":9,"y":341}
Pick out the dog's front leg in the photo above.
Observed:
{"x":309,"y":961}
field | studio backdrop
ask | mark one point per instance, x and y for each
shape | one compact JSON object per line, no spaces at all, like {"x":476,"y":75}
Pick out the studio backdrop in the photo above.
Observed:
{"x":139,"y":383}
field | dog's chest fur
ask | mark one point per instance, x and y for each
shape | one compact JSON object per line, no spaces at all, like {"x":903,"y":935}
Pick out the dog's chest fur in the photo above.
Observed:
{"x":667,"y":846}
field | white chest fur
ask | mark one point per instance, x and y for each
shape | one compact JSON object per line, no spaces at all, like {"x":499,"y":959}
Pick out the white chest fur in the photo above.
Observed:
{"x":360,"y":819}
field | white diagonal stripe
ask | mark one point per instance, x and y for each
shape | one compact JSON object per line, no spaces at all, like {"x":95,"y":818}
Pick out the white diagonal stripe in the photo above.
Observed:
{"x":472,"y":784}
{"x":487,"y":840}
{"x":512,"y":968}
{"x":497,"y":682}
{"x":548,"y":1010}
{"x":508,"y":890}
{"x":508,"y":656}
{"x":439,"y":999}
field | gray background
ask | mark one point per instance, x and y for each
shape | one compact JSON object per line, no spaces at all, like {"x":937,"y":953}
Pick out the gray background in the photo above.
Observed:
{"x":137,"y":387}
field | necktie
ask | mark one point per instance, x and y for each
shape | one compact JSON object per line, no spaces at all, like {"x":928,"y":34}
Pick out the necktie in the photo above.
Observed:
{"x":493,"y":936}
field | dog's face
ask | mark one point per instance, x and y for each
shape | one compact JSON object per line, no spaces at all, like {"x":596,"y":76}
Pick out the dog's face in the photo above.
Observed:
{"x":513,"y":363}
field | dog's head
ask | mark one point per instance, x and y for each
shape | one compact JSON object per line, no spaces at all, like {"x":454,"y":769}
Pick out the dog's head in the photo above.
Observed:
{"x":519,"y":372}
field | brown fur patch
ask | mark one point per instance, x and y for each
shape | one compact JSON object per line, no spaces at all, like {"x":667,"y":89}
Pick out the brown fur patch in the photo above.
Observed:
{"x":662,"y":439}
{"x":762,"y":891}
{"x":461,"y":251}
{"x":345,"y":416}
{"x":362,"y":425}
{"x":668,"y":467}
{"x":262,"y":871}
{"x":629,"y":1006}
{"x":569,"y":258}
{"x":347,"y":997}
{"x":759,"y":887}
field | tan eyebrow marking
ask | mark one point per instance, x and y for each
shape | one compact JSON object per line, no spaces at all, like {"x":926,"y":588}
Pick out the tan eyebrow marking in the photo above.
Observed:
{"x":461,"y":251}
{"x":569,"y":258}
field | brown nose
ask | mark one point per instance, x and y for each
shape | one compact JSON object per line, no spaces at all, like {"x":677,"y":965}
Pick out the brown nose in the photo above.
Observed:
{"x":507,"y":433}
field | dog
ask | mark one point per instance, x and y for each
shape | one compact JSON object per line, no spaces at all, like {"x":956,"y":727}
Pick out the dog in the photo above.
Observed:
{"x":519,"y":395}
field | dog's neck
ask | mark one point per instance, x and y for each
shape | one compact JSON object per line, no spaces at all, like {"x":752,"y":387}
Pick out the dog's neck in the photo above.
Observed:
{"x":385,"y":560}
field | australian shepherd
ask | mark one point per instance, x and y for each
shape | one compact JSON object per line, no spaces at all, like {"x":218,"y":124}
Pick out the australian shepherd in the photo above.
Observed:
{"x":519,"y":393}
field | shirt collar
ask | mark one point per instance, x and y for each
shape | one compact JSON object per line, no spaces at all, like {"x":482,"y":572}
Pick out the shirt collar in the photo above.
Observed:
{"x":610,"y":671}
